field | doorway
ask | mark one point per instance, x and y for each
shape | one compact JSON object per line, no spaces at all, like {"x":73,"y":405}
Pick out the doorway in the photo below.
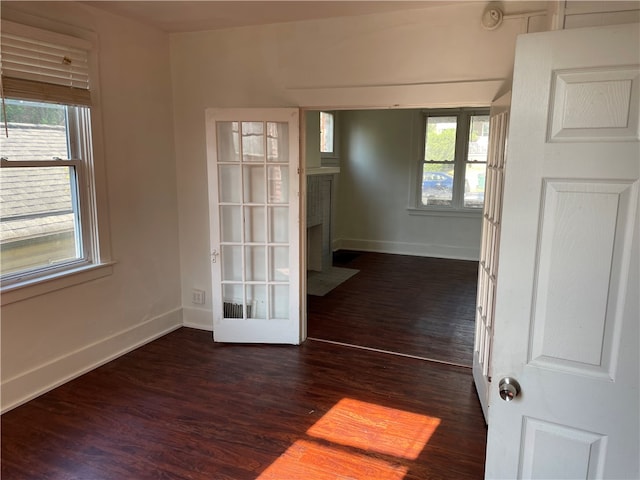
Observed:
{"x":404,"y":297}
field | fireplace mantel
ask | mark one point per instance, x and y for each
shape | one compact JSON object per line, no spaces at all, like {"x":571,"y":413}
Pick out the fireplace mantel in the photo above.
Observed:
{"x":320,"y":199}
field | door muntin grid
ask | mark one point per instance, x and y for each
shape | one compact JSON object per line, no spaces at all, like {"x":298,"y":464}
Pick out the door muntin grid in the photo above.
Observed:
{"x":253,"y":195}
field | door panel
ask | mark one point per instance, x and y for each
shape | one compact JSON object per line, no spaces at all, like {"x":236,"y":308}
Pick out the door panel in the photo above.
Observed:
{"x":253,"y":165}
{"x":548,"y":446}
{"x":580,"y":265}
{"x":566,"y":313}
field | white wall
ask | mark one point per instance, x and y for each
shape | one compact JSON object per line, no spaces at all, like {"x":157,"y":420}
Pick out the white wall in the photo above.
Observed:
{"x":380,"y":148}
{"x":52,"y":337}
{"x":440,"y":56}
{"x":312,"y":140}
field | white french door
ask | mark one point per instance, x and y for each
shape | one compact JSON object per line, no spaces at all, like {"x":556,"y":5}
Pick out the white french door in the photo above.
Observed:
{"x":253,"y":174}
{"x":488,"y":266}
{"x":567,"y":310}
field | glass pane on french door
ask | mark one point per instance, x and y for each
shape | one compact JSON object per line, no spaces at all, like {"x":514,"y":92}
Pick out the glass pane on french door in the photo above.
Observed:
{"x":253,"y":210}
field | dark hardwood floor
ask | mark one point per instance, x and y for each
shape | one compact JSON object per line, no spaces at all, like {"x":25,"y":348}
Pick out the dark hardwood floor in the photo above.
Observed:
{"x":183,"y":407}
{"x":416,"y":306}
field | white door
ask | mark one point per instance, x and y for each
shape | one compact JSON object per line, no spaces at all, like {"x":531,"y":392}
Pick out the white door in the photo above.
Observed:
{"x":253,"y":170}
{"x":488,"y":266}
{"x":567,"y":303}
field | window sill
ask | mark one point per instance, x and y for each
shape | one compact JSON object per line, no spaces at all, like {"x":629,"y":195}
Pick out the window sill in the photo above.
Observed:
{"x":449,"y":212}
{"x":39,"y":286}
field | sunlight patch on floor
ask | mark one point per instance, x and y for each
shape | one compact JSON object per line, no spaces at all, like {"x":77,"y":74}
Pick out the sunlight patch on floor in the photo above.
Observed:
{"x":312,"y":460}
{"x":371,"y":427}
{"x":356,"y":440}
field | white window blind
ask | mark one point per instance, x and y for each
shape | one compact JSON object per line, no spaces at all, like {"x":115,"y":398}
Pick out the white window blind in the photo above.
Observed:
{"x":37,"y":68}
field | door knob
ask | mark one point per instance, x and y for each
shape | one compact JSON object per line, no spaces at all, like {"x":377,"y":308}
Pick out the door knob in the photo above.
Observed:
{"x":509,"y":388}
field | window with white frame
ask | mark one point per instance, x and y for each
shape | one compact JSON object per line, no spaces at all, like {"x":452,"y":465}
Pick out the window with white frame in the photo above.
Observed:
{"x":47,"y":202}
{"x":454,"y":160}
{"x":329,"y":148}
{"x":327,"y":133}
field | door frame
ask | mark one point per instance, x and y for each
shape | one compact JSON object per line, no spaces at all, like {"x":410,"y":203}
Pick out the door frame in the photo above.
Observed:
{"x":378,"y":104}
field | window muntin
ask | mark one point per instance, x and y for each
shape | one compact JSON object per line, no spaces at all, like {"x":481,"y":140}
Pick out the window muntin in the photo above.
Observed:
{"x":438,"y":169}
{"x":41,"y":213}
{"x":36,"y":131}
{"x":476,"y":161}
{"x":453,"y":165}
{"x":46,"y":234}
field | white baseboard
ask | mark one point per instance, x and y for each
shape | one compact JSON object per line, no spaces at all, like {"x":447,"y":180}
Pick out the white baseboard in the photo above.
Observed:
{"x":33,"y":383}
{"x":416,"y":249}
{"x":197,"y":318}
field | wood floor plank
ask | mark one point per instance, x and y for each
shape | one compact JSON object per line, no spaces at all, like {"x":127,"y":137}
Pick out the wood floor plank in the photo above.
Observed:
{"x":418,"y":306}
{"x":183,"y":407}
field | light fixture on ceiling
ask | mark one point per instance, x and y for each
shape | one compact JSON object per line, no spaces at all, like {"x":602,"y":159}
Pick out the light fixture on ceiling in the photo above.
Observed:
{"x":492,"y":16}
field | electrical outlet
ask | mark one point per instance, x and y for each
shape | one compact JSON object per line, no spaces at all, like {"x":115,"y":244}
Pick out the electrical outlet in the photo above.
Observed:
{"x":197,"y":296}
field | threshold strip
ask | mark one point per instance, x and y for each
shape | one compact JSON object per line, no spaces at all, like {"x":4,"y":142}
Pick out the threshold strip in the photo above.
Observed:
{"x":389,"y":352}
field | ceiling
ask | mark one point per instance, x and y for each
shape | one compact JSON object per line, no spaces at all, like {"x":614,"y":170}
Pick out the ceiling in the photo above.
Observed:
{"x":188,"y":16}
